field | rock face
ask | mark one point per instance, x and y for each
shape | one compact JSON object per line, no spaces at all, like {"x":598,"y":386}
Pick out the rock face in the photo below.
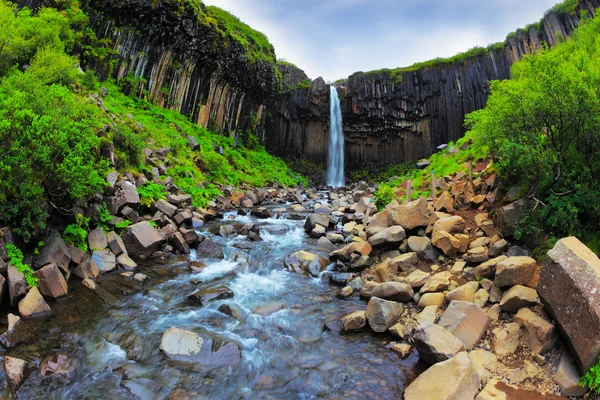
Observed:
{"x":141,"y":240}
{"x":569,"y":287}
{"x":181,"y":345}
{"x":435,"y":343}
{"x":454,"y":379}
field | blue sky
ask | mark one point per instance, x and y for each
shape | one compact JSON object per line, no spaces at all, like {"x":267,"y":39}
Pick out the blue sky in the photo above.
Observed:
{"x":334,"y":38}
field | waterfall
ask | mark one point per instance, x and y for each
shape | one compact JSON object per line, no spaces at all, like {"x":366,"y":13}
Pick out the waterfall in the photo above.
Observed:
{"x":335,"y":164}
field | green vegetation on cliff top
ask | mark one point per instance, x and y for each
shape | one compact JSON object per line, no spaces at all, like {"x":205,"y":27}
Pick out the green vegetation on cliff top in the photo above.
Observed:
{"x":55,"y":131}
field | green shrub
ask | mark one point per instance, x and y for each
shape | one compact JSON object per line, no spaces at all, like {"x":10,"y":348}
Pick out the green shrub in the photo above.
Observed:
{"x":592,"y":379}
{"x":384,"y":196}
{"x":15,"y":258}
{"x":150,"y":193}
{"x":76,"y":234}
{"x":104,"y":217}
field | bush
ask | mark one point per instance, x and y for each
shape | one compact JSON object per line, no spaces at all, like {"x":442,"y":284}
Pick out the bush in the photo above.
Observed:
{"x":384,"y":196}
{"x":592,"y":379}
{"x":76,"y":234}
{"x":15,"y":258}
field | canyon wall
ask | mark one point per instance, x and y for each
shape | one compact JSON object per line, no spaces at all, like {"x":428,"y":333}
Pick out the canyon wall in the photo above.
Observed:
{"x":391,"y":118}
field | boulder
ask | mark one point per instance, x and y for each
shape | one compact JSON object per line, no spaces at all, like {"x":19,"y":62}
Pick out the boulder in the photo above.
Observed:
{"x":447,"y":243}
{"x":87,"y":270}
{"x":127,"y":194}
{"x":51,"y":282}
{"x":477,"y":255}
{"x":505,"y":339}
{"x":58,"y":364}
{"x":435,"y":343}
{"x":488,"y":268}
{"x":462,"y":293}
{"x":515,"y":271}
{"x":423,"y":247}
{"x":203,"y":296}
{"x":209,"y":249}
{"x":453,"y":379}
{"x":417,"y":278}
{"x":382,"y":314}
{"x":183,"y":217}
{"x":355,"y":321}
{"x":497,"y":390}
{"x":356,"y":248}
{"x":497,"y":248}
{"x":481,"y":297}
{"x":432,"y":299}
{"x":428,"y":315}
{"x":451,"y":225}
{"x":3,"y":287}
{"x":315,"y":219}
{"x":178,"y":241}
{"x":486,"y":363}
{"x":97,"y":239}
{"x":567,"y":377}
{"x":54,"y":251}
{"x":410,"y":215}
{"x":17,"y":286}
{"x":403,"y":350}
{"x":518,"y":297}
{"x":126,"y":262}
{"x":116,"y":244}
{"x":405,"y":262}
{"x":33,"y":305}
{"x":389,"y":236}
{"x":14,"y":369}
{"x":540,"y":335}
{"x":16,"y":333}
{"x":303,"y":262}
{"x":466,"y":321}
{"x":437,"y":283}
{"x":445,"y":203}
{"x":569,"y":287}
{"x":177,"y":199}
{"x":105,"y":260}
{"x":508,"y":216}
{"x":181,"y":345}
{"x":166,"y":208}
{"x":394,"y":291}
{"x":386,"y":271}
{"x":142,"y":239}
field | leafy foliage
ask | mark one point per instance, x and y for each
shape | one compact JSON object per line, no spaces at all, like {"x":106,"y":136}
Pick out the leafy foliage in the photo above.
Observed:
{"x":76,"y":234}
{"x":104,"y":217}
{"x":543,"y":130}
{"x":592,"y":379}
{"x":384,"y":196}
{"x":150,"y":193}
{"x":15,"y":258}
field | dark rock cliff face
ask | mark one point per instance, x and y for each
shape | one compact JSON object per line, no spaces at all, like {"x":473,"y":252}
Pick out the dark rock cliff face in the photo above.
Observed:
{"x":389,"y":121}
{"x":180,"y":63}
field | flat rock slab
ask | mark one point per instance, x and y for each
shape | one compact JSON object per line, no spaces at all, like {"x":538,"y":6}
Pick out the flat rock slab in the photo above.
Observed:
{"x":181,"y":345}
{"x":496,"y":390}
{"x":435,"y":343}
{"x":569,"y":287}
{"x":466,"y":321}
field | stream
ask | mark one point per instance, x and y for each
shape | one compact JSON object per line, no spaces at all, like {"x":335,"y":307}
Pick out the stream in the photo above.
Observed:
{"x":286,"y":353}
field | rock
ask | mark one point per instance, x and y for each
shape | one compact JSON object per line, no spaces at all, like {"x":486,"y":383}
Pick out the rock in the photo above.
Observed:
{"x":391,"y":235}
{"x":569,"y":287}
{"x":54,"y":251}
{"x":87,"y":270}
{"x":460,"y":381}
{"x":126,"y":262}
{"x":17,"y":286}
{"x":517,"y":371}
{"x":435,"y":343}
{"x":437,"y":283}
{"x":303,"y":262}
{"x":445,"y":203}
{"x":417,"y":278}
{"x":166,"y":208}
{"x":382,"y":314}
{"x":141,"y":240}
{"x":479,"y":242}
{"x":58,"y":364}
{"x":356,"y":248}
{"x":477,"y":255}
{"x":116,"y":244}
{"x":315,"y":219}
{"x":261,"y":213}
{"x":181,"y":345}
{"x":466,"y":321}
{"x":190,"y":236}
{"x":540,"y":335}
{"x":401,"y":331}
{"x":410,"y":215}
{"x":51,"y":282}
{"x":386,"y":271}
{"x":405,"y":262}
{"x":451,"y":225}
{"x":131,"y":215}
{"x":462,"y":293}
{"x":105,"y":260}
{"x":178,"y":199}
{"x":485,"y":363}
{"x":508,"y":216}
{"x":394,"y":291}
{"x":497,"y":390}
{"x":505,"y":339}
{"x":346,"y":291}
{"x":183,"y":217}
{"x":494,"y":312}
{"x":127,"y":194}
{"x":428,"y":315}
{"x":179,"y":243}
{"x":518,"y":297}
{"x":481,"y":298}
{"x":33,"y":305}
{"x":432,"y":299}
{"x":14,"y":368}
{"x":354,"y":321}
{"x":318,"y":232}
{"x":16,"y":332}
{"x":446,"y":242}
{"x":403,"y":350}
{"x":335,"y":238}
{"x":203,"y":296}
{"x":97,"y":239}
{"x":488,"y":268}
{"x":209,"y":249}
{"x":567,"y":377}
{"x":515,"y":271}
{"x":497,"y":248}
{"x":422,"y":246}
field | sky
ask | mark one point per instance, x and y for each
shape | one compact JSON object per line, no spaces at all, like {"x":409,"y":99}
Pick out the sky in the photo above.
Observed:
{"x":335,"y":38}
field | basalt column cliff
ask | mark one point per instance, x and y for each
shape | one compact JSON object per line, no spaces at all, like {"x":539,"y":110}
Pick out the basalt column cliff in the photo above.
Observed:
{"x":393,"y":117}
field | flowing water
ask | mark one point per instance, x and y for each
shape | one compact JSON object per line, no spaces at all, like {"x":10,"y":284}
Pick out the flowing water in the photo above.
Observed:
{"x":335,"y":164}
{"x":286,"y":354}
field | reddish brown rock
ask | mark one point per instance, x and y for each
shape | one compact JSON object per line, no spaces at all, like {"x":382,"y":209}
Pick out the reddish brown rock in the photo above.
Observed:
{"x":51,"y":282}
